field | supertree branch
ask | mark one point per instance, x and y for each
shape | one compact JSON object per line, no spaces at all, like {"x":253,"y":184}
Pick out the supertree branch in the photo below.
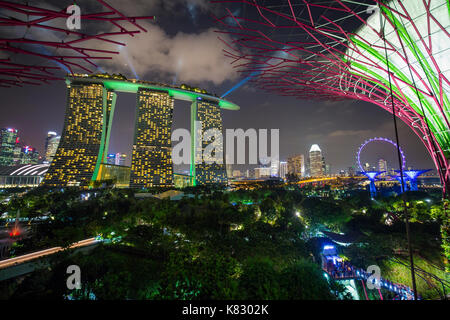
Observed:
{"x":77,"y":49}
{"x":335,"y":50}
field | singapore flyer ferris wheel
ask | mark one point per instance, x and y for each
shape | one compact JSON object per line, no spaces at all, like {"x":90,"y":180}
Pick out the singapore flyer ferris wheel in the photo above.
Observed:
{"x":380,"y":139}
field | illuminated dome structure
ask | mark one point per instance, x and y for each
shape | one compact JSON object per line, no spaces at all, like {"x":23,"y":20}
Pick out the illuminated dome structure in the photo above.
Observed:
{"x":363,"y":50}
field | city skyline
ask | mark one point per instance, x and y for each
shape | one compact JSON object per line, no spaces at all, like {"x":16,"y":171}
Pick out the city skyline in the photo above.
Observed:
{"x":301,"y":123}
{"x":226,"y":150}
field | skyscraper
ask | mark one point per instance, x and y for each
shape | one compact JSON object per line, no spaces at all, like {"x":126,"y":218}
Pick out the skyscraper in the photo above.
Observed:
{"x":151,"y":162}
{"x":29,"y":155}
{"x":206,"y":169}
{"x":382,"y":166}
{"x":316,"y":161}
{"x":274,"y":167}
{"x":82,"y":146}
{"x":296,"y":165}
{"x":50,"y":135}
{"x":283,"y":169}
{"x":8,"y":140}
{"x":52,"y":147}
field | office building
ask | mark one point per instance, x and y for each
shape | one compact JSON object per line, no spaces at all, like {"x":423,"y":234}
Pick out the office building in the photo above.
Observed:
{"x":50,"y":135}
{"x":29,"y":155}
{"x":296,"y":165}
{"x":283,"y":169}
{"x":316,"y":160}
{"x":274,"y":167}
{"x":382,"y":166}
{"x":51,"y":148}
{"x":8,"y":141}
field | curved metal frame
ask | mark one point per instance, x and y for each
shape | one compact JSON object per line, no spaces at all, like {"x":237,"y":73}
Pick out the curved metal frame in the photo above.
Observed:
{"x":358,"y":154}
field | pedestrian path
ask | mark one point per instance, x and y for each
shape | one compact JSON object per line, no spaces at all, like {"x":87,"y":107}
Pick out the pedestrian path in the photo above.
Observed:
{"x":338,"y":269}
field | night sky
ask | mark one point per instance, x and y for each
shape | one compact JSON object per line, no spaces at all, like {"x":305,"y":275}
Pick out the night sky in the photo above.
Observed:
{"x":182,"y":47}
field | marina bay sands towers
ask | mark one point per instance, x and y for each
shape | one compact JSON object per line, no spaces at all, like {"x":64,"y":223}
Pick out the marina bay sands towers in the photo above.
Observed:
{"x":91,"y":100}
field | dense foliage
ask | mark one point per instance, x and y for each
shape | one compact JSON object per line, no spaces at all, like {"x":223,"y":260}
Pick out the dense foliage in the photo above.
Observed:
{"x":216,"y":244}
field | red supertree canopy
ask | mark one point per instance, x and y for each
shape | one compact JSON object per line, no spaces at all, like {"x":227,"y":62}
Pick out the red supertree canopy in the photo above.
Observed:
{"x":391,"y":53}
{"x":32,"y":37}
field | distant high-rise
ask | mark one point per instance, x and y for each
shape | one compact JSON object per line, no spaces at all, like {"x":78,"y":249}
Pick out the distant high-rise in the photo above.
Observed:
{"x":263,"y":172}
{"x":111,"y":158}
{"x":296,"y":165}
{"x":283,"y":169}
{"x":8,"y":140}
{"x":50,"y":135}
{"x":51,"y":148}
{"x":382,"y":166}
{"x":317,"y":168}
{"x":351,"y":171}
{"x":29,"y":155}
{"x":327,"y":168}
{"x":274,"y":168}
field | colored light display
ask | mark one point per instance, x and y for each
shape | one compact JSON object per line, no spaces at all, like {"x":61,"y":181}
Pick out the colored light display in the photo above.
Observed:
{"x":363,"y":146}
{"x":363,"y":50}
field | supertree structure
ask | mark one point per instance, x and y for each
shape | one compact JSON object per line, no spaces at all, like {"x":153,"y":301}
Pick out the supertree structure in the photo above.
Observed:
{"x":32,"y":36}
{"x":390,"y":53}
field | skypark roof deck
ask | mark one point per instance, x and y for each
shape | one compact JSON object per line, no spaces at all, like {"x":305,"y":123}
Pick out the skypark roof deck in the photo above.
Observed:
{"x":133,"y":85}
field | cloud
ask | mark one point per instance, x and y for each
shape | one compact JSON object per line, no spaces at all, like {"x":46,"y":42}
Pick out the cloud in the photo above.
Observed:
{"x":346,"y":133}
{"x":191,"y":58}
{"x":155,"y":7}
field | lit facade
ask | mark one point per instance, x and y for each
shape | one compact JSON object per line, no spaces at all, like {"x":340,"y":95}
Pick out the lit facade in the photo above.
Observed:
{"x":82,"y":146}
{"x":8,"y":138}
{"x":391,"y":53}
{"x":151,"y":163}
{"x":50,"y":135}
{"x":283,"y":169}
{"x":22,"y":176}
{"x":296,"y":165}
{"x":206,"y":169}
{"x":51,"y":148}
{"x":382,"y":166}
{"x":274,"y":168}
{"x":316,"y":162}
{"x":29,"y":155}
